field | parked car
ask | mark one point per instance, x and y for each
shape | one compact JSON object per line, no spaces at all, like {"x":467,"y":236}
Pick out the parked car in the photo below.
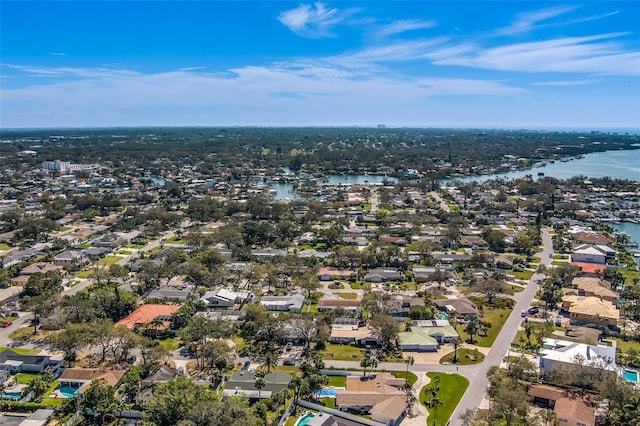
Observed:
{"x":534,"y":310}
{"x":6,"y":324}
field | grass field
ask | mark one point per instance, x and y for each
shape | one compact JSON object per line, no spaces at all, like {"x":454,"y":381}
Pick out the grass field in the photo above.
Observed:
{"x":452,"y":387}
{"x":84,"y":274}
{"x":25,"y":378}
{"x":465,"y":357}
{"x":109,"y":260}
{"x":125,"y":252}
{"x":497,"y":318}
{"x":175,"y":240}
{"x":356,"y":285}
{"x":410,"y":377}
{"x":4,"y":246}
{"x":351,"y":296}
{"x":342,"y":352}
{"x":522,"y":275}
{"x":337,"y":381}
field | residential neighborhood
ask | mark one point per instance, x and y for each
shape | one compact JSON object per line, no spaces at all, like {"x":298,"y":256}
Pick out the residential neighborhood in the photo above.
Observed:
{"x":353,"y":300}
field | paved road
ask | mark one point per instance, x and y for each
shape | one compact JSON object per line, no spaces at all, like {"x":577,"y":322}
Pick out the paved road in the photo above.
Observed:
{"x":444,"y":206}
{"x":478,"y":378}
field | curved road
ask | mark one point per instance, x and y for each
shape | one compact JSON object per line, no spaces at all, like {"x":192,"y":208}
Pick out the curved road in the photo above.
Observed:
{"x":477,"y":374}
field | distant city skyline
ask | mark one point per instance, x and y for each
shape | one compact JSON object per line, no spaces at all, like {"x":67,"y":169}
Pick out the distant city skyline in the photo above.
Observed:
{"x":470,"y":64}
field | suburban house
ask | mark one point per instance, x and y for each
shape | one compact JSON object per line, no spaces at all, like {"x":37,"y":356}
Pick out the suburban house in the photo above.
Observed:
{"x":591,"y":253}
{"x":353,"y":333}
{"x":158,"y":317}
{"x":242,"y":384}
{"x":111,"y":241}
{"x":379,"y":275}
{"x":441,"y":330}
{"x":380,"y":396}
{"x":38,"y":267}
{"x":571,"y":411}
{"x":556,"y":352}
{"x":169,"y":292}
{"x":81,"y":378}
{"x":70,"y":258}
{"x":329,"y":303}
{"x":401,"y":307}
{"x":416,"y":340}
{"x":292,"y":302}
{"x":590,"y":310}
{"x":17,"y":363}
{"x":462,"y":307}
{"x":593,"y":286}
{"x":224,"y":298}
{"x":584,"y":237}
{"x":330,"y":274}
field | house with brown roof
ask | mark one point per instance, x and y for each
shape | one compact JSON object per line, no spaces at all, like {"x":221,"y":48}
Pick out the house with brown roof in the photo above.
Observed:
{"x":38,"y":267}
{"x":594,"y":286}
{"x":81,"y":378}
{"x":591,"y":238}
{"x":329,"y":274}
{"x":571,"y":410}
{"x":380,"y":395}
{"x":330,"y":303}
{"x":590,"y":310}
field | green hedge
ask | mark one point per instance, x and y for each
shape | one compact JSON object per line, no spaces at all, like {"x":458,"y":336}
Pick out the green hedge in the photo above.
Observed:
{"x":23,"y":407}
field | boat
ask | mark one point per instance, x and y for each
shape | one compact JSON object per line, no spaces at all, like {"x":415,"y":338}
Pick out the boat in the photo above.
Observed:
{"x":540,"y":174}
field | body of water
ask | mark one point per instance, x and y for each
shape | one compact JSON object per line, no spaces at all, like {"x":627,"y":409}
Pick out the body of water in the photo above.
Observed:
{"x":632,"y":229}
{"x":285,"y":190}
{"x":619,"y":164}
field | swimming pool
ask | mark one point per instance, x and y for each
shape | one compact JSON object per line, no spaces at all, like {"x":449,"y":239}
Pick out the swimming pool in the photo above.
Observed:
{"x":327,"y":393}
{"x":12,"y":395}
{"x":630,"y":376}
{"x":68,"y":391}
{"x":302,"y":421}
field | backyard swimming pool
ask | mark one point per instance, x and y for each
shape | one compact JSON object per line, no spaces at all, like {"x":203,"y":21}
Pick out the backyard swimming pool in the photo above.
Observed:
{"x":327,"y":393}
{"x":12,"y":395}
{"x":302,"y":421}
{"x":630,"y":376}
{"x":68,"y":391}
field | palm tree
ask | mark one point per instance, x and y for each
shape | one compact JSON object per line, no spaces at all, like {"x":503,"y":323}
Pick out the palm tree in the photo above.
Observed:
{"x":433,"y":403}
{"x":409,"y":362}
{"x":259,"y":384}
{"x":457,"y":344}
{"x":528,"y":330}
{"x":270,"y":361}
{"x":549,"y":417}
{"x":296,"y":384}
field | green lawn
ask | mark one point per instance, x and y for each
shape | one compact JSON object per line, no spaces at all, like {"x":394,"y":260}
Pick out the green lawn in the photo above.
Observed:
{"x":4,"y":246}
{"x":21,"y":351}
{"x":109,"y":260}
{"x":338,"y":381}
{"x":289,"y":369}
{"x":351,"y":296}
{"x":410,"y":377}
{"x":561,"y":256}
{"x":522,"y":275}
{"x":497,"y":318}
{"x":624,"y":346}
{"x":175,"y":240}
{"x":465,"y":357}
{"x":170,"y":344}
{"x":356,"y":285}
{"x":84,"y":274}
{"x":342,"y":352}
{"x":452,"y":387}
{"x":25,"y":378}
{"x":125,"y":252}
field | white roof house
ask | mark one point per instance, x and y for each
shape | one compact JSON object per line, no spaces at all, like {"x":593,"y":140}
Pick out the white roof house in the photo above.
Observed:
{"x":224,"y":297}
{"x":591,"y":253}
{"x":557,"y":352}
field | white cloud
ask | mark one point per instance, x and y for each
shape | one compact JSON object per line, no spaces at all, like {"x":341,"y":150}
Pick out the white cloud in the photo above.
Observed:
{"x":527,"y":21}
{"x":402,"y":26}
{"x":309,"y":92}
{"x":312,"y":21}
{"x":57,"y":54}
{"x":596,"y":54}
{"x":567,"y":82}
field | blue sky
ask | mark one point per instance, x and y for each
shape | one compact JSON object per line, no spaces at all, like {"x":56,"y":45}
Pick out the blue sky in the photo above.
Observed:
{"x":516,"y":64}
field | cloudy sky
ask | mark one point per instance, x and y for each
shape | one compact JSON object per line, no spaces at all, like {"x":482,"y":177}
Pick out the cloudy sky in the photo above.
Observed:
{"x":515,"y":64}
